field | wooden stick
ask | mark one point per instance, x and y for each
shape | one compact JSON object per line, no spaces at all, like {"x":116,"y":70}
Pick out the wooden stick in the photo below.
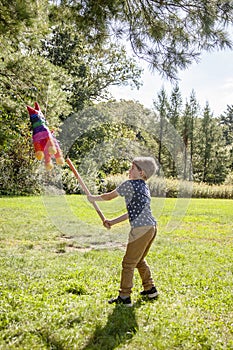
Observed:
{"x":84,"y":187}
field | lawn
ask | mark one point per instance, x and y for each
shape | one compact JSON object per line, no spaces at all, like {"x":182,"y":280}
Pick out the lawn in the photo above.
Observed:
{"x":59,"y":267}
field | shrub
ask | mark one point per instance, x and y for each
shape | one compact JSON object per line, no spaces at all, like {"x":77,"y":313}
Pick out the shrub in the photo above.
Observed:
{"x":173,"y":188}
{"x":229,"y":179}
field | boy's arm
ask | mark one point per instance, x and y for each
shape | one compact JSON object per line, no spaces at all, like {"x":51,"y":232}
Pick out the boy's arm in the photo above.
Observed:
{"x":106,"y":197}
{"x":103,"y":197}
{"x":117,"y":220}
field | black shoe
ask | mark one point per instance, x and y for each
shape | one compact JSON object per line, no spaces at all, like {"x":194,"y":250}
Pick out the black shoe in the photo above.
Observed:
{"x":151,"y":293}
{"x":119,"y":300}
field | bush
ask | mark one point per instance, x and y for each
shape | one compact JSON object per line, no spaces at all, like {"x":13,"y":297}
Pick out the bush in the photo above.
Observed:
{"x":173,"y":188}
{"x":229,"y":179}
{"x":19,"y":178}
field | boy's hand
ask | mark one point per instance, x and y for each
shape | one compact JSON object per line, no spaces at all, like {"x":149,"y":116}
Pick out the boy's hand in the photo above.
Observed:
{"x":107,"y":224}
{"x":91,"y":198}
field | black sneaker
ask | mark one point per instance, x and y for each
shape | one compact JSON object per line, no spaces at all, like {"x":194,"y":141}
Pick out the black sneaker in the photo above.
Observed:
{"x":151,"y":293}
{"x":119,"y":300}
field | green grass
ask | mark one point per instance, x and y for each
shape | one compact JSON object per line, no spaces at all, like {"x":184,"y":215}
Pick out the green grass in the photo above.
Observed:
{"x":59,"y":267}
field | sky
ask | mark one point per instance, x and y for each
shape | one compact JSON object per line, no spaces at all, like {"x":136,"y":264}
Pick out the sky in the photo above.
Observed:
{"x":211,"y":79}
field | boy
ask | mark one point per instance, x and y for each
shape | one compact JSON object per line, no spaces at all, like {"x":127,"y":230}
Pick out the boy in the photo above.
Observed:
{"x":143,"y":228}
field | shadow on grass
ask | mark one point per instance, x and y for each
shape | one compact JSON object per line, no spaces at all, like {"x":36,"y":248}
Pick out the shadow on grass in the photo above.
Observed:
{"x":120,"y":328}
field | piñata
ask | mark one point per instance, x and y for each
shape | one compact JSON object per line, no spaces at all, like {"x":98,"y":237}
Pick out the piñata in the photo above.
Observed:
{"x":45,"y":144}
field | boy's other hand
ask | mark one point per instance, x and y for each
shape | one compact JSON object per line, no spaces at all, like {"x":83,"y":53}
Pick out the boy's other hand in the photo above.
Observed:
{"x":107,"y":224}
{"x":91,"y":198}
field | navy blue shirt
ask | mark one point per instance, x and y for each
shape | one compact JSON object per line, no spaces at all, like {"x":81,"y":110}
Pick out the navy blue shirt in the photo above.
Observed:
{"x":137,"y":199}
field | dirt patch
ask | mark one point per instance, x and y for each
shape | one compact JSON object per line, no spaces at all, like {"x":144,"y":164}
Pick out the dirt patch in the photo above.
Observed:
{"x":71,"y":245}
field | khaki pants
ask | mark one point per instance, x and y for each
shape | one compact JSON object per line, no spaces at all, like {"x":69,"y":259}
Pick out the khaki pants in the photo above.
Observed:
{"x":140,"y":240}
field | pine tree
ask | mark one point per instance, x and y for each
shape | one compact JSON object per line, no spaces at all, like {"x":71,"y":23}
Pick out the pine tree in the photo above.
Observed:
{"x":169,"y":35}
{"x":161,"y":105}
{"x":186,"y":132}
{"x":212,"y":153}
{"x":226,"y":122}
{"x":174,"y":114}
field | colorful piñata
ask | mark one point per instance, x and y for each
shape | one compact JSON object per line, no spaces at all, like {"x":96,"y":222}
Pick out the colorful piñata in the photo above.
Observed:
{"x":45,"y":144}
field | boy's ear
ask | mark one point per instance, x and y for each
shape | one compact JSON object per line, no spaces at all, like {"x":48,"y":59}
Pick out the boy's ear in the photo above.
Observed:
{"x":143,"y":175}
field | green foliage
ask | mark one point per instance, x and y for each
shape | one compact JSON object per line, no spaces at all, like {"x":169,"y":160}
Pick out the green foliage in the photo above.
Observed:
{"x":229,"y":179}
{"x":19,"y":171}
{"x":168,"y":35}
{"x":65,"y":55}
{"x":226,"y":119}
{"x":161,"y":106}
{"x":205,"y":156}
{"x":103,"y":140}
{"x":56,"y":67}
{"x":15,"y":16}
{"x":54,"y":290}
{"x":174,"y":188}
{"x":187,"y":126}
{"x":91,"y":71}
{"x":210,"y":150}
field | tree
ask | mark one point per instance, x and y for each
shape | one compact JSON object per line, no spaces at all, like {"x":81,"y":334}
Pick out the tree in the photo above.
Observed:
{"x":17,"y":15}
{"x":90,"y":71}
{"x":226,"y":121}
{"x":193,"y":114}
{"x":169,"y":35}
{"x":25,"y":75}
{"x":174,"y":113}
{"x":103,"y":139}
{"x":63,"y":76}
{"x":186,"y":130}
{"x":161,"y":105}
{"x":212,"y":153}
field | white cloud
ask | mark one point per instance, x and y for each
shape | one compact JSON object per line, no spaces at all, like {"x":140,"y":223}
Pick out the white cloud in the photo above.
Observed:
{"x":228,"y":85}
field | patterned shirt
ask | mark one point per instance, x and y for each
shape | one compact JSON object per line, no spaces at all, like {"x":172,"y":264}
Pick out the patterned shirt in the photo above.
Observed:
{"x":137,"y":199}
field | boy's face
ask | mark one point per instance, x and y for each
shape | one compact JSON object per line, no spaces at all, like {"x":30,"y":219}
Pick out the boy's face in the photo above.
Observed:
{"x":135,"y":172}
